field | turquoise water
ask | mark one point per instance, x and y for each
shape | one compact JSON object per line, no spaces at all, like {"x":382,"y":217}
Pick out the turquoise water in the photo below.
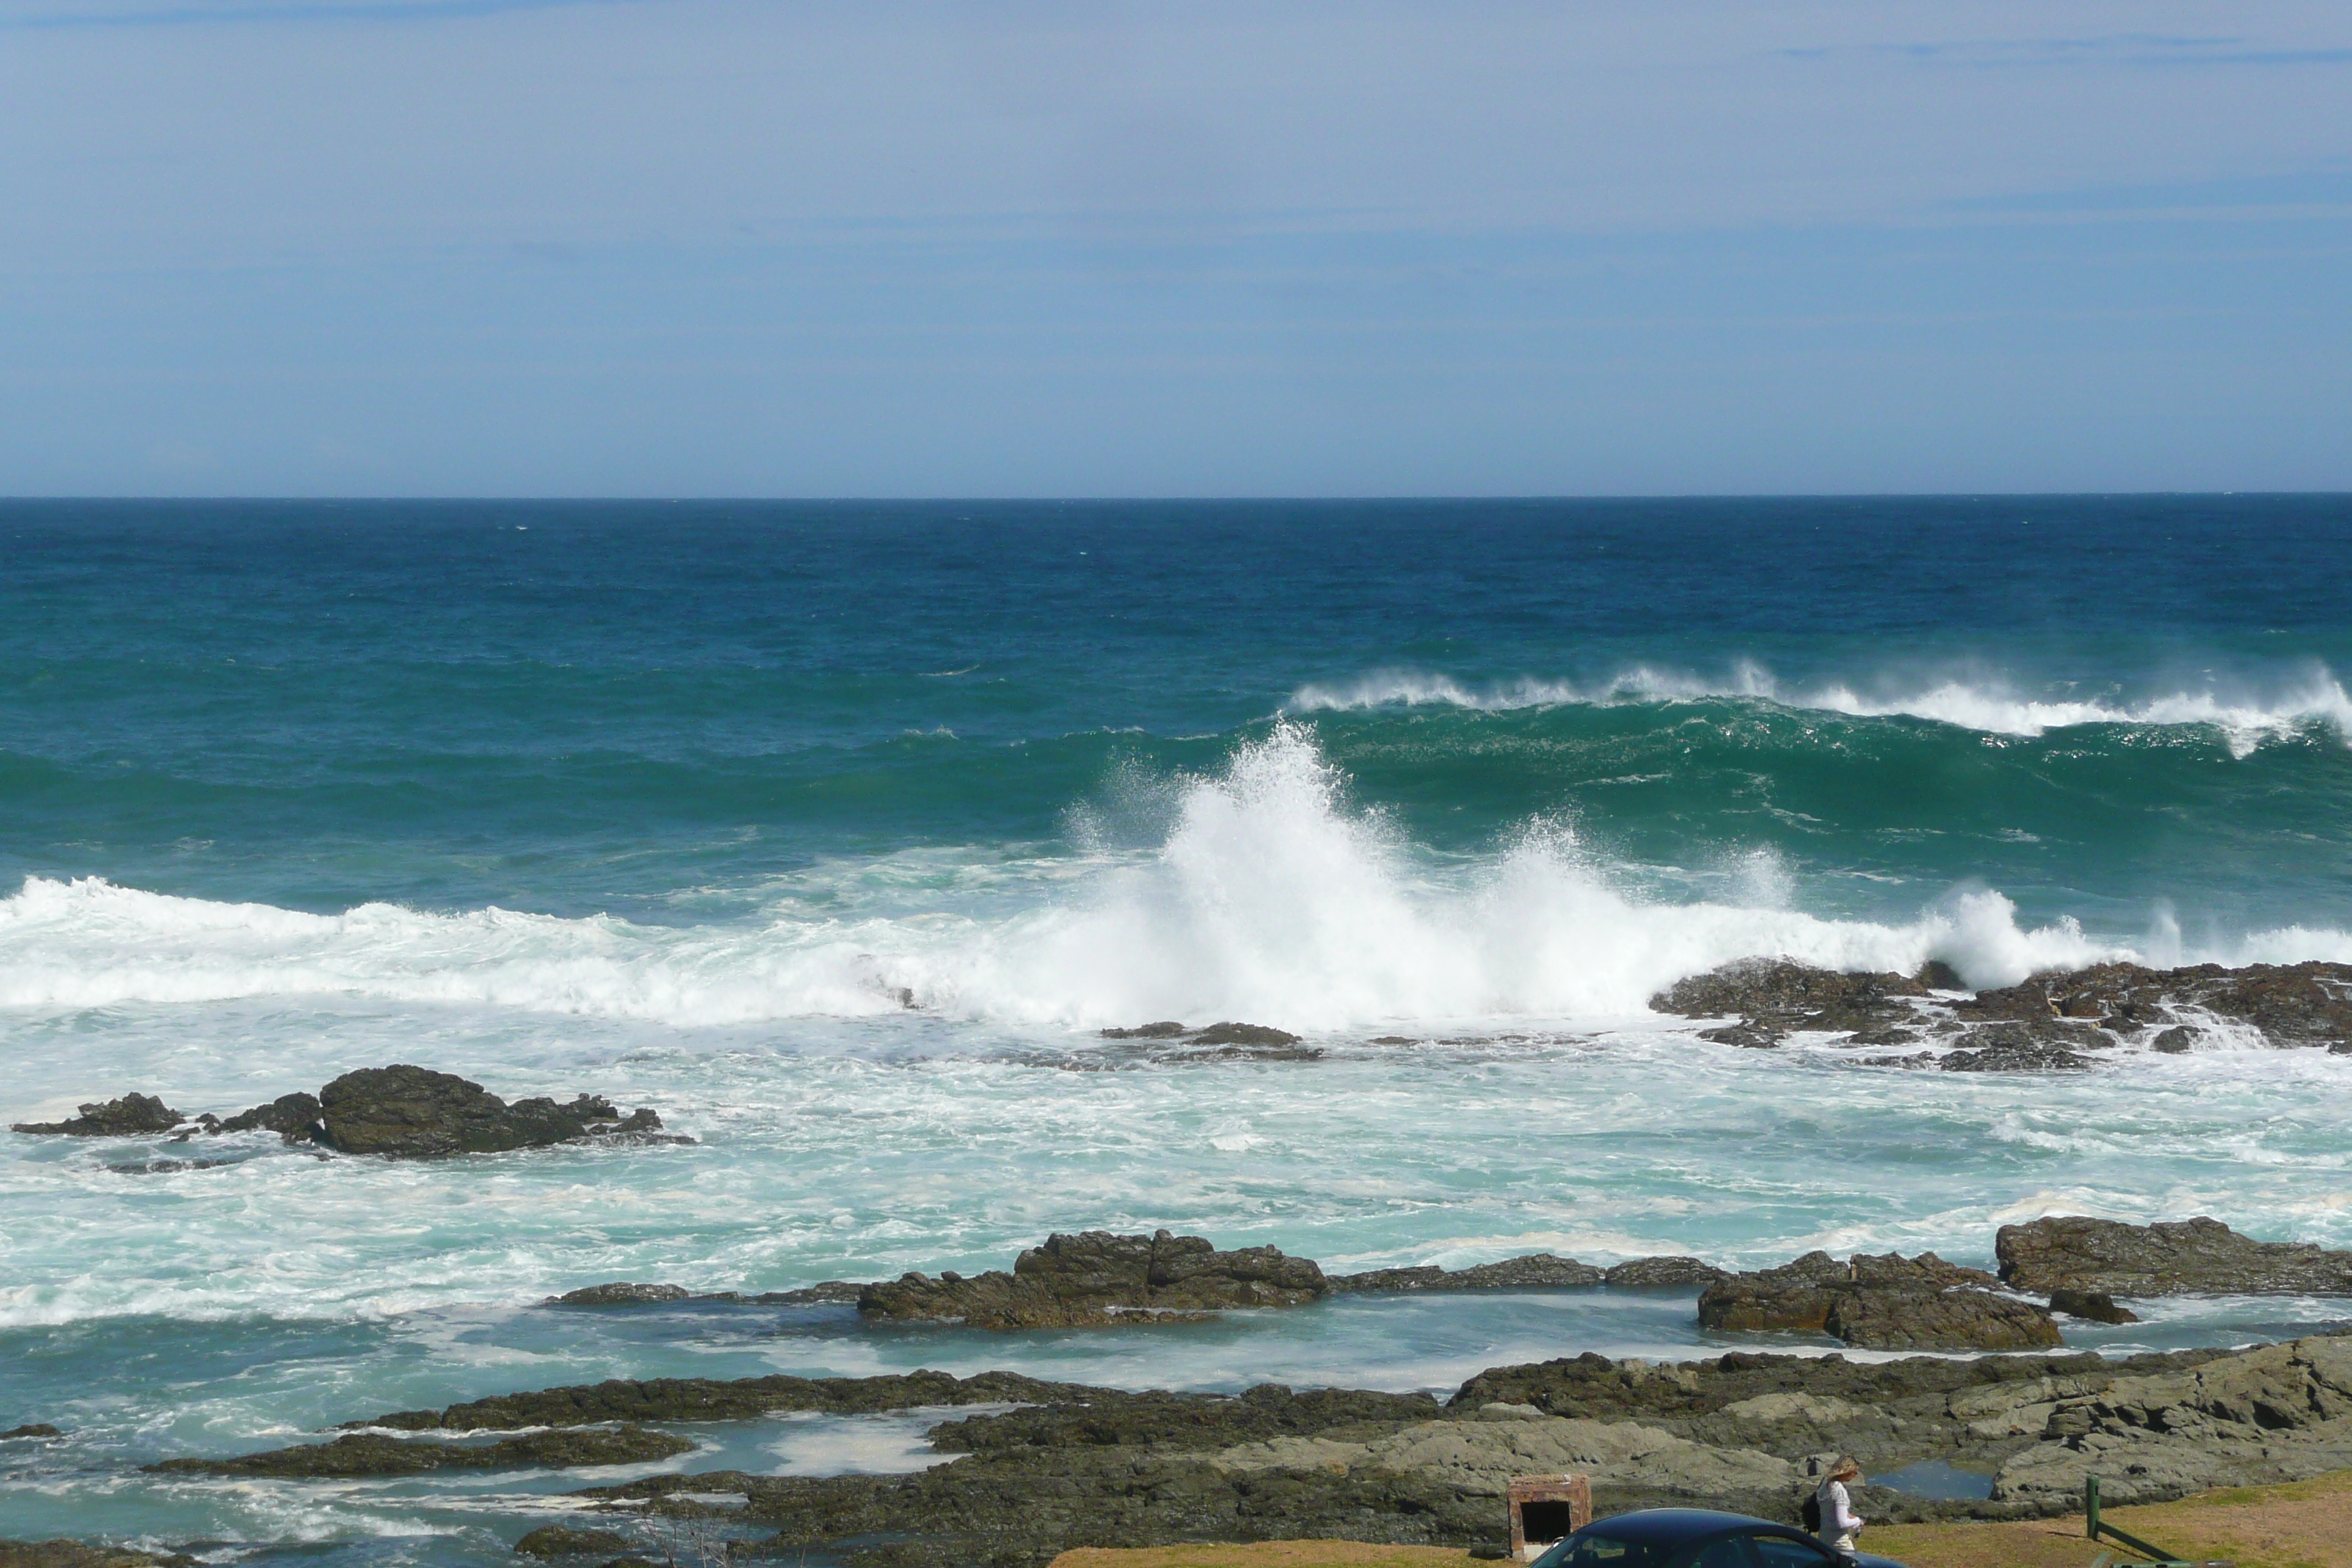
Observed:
{"x":682,"y":804}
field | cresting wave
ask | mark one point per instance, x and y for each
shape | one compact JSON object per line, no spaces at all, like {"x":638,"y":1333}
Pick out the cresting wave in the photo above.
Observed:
{"x":2319,"y":697}
{"x":1267,"y":900}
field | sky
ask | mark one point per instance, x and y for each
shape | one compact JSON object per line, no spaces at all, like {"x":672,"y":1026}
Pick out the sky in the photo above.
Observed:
{"x":1044,"y":247}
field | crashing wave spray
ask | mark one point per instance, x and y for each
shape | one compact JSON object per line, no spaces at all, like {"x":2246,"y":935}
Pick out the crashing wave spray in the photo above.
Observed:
{"x":1268,"y":899}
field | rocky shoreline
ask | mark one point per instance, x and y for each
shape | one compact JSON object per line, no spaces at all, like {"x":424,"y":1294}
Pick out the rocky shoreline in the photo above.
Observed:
{"x":1049,"y":1465}
{"x":1040,"y":1466}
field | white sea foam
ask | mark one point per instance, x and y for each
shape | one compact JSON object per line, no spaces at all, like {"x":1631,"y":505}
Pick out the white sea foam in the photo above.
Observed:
{"x":1268,"y":899}
{"x":2244,"y":721}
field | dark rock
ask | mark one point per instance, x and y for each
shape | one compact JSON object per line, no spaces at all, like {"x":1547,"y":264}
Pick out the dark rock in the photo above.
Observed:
{"x":823,"y":1292}
{"x":31,"y":1429}
{"x":1096,"y":1279}
{"x":293,"y":1117}
{"x":1536,"y":1271}
{"x":1662,"y":1274}
{"x":372,"y":1454}
{"x":1915,"y":1062}
{"x":1774,"y":994}
{"x":2013,"y":1050}
{"x":1164,"y":1030}
{"x":2095,"y":1306}
{"x":731,"y":1399}
{"x":1106,"y":1418}
{"x":131,"y":1116}
{"x":2291,"y":1004}
{"x":1880,"y":1037}
{"x":62,"y":1553}
{"x":619,"y":1293}
{"x":1938,"y":976}
{"x":1747,"y":1034}
{"x":2198,"y":1256}
{"x":1878,"y":1303}
{"x":2178,"y":1040}
{"x":1242,"y":1034}
{"x":411,"y":1112}
{"x":562,"y":1541}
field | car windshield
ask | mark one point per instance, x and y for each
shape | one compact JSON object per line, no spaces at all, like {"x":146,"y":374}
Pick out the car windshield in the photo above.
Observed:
{"x":1593,"y":1549}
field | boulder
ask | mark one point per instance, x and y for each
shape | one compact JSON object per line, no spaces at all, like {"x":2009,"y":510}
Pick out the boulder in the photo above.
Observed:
{"x":30,"y":1429}
{"x":2094,"y":1306}
{"x":131,"y":1116}
{"x":1242,"y":1034}
{"x":619,"y":1293}
{"x":1167,"y":1029}
{"x":1536,"y":1271}
{"x":412,"y":1112}
{"x":1095,"y":1277}
{"x":2198,"y":1256}
{"x":1889,"y":1302}
{"x":563,"y":1540}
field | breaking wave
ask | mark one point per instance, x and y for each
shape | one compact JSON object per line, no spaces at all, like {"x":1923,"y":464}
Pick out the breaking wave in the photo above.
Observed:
{"x":2245,"y":722}
{"x":1268,"y":898}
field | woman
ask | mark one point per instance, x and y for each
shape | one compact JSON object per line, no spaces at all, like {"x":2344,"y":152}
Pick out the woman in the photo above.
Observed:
{"x":1838,"y":1521}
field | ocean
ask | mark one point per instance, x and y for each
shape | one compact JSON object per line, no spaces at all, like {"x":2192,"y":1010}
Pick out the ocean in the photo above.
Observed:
{"x":837,"y":831}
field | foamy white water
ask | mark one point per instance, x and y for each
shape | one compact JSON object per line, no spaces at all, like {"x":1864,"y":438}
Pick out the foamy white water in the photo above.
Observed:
{"x":2245,"y":722}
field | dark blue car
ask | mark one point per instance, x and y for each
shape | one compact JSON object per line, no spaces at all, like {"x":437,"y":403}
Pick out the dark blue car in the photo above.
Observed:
{"x":1694,"y":1538}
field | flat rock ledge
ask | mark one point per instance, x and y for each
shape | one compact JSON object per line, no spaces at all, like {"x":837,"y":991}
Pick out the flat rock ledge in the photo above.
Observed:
{"x":400,"y":1112}
{"x":1096,"y":1278}
{"x":2198,"y":1256}
{"x":1051,"y":1466}
{"x":1891,"y":1302}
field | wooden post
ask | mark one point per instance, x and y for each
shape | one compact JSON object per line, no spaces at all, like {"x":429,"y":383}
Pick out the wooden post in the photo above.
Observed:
{"x":1546,"y":1509}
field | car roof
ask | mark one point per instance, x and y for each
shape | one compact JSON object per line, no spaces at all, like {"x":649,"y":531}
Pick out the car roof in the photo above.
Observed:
{"x":1673,"y":1526}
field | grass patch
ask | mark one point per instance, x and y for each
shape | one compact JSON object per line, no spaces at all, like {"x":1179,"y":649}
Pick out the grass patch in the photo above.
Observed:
{"x":2307,"y":1525}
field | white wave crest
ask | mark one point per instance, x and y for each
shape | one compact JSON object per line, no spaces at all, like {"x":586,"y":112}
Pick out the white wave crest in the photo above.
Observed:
{"x":1268,"y":899}
{"x":2245,"y":722}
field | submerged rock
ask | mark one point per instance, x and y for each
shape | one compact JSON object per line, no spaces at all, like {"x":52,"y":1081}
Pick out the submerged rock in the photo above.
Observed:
{"x":1878,"y":1303}
{"x":1096,"y":1279}
{"x":1167,"y":1029}
{"x":63,"y":1553}
{"x":412,"y":1112}
{"x":563,"y":1540}
{"x":2198,"y":1256}
{"x":374,"y":1454}
{"x":30,"y":1429}
{"x":131,"y":1116}
{"x":1536,"y":1271}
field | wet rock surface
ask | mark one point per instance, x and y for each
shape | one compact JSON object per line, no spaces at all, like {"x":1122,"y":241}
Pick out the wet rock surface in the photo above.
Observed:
{"x":1672,"y":1273}
{"x":129,"y":1117}
{"x":2198,"y":1256}
{"x":563,"y":1540}
{"x":413,"y":1112}
{"x":1536,"y":1271}
{"x":2092,"y":1306}
{"x":726,"y":1399}
{"x":374,"y":1454}
{"x":1096,"y":1278}
{"x":1889,"y":1302}
{"x":30,"y":1429}
{"x":619,"y":1293}
{"x":2045,"y":1024}
{"x":80,"y":1555}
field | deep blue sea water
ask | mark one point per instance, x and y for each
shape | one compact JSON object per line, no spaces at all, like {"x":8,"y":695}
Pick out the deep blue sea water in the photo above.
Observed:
{"x":837,"y":832}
